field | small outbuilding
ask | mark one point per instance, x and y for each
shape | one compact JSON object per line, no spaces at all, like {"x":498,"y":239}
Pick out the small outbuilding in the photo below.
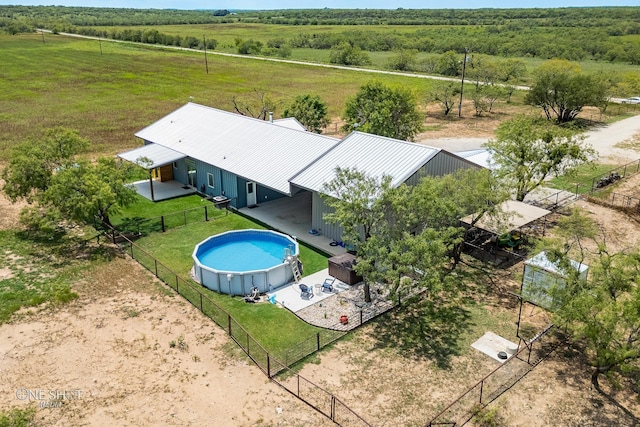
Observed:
{"x":541,"y":275}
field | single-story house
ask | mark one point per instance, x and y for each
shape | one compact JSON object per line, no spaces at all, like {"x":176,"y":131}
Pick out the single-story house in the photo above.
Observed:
{"x":253,"y":161}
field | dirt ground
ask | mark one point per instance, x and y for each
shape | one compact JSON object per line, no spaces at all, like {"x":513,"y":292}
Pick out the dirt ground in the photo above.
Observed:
{"x":129,"y":352}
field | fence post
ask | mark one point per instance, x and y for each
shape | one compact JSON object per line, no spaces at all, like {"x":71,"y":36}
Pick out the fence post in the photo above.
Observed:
{"x":268,"y":365}
{"x":481,"y":388}
{"x":162,"y":223}
{"x":155,"y":262}
{"x":201,"y":302}
{"x":184,"y":215}
{"x":206,"y":214}
{"x":333,"y":408}
{"x":177,"y":287}
{"x":229,"y":323}
{"x":318,"y":341}
{"x":131,"y":246}
{"x":361,"y":314}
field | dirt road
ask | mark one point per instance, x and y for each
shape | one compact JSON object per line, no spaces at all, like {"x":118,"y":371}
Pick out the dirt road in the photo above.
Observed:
{"x":612,"y":142}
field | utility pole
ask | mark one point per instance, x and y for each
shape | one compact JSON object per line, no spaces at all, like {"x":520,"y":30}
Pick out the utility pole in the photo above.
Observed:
{"x":206,"y":62}
{"x":464,"y":66}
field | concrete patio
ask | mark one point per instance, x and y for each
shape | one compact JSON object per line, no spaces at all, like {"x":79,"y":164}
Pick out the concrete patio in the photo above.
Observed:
{"x":162,"y":190}
{"x":292,"y":216}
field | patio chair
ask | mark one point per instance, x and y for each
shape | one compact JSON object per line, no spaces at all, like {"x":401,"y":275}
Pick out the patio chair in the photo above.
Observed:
{"x":253,"y":296}
{"x":327,"y":286}
{"x":306,"y":291}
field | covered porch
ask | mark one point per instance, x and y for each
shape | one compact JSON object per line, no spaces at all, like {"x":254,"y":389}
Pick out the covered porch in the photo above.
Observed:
{"x":292,"y":215}
{"x":158,"y":161}
{"x":162,"y":190}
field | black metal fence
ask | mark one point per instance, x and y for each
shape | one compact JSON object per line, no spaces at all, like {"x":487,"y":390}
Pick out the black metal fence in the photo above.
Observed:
{"x":171,"y":220}
{"x":529,"y":355}
{"x":320,"y":399}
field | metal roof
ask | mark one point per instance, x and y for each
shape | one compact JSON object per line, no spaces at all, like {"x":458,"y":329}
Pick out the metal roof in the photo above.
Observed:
{"x":540,"y":260}
{"x":481,"y":157}
{"x":254,"y":149}
{"x":158,"y":155}
{"x":371,"y":154}
{"x":516,"y":215}
{"x":291,"y":123}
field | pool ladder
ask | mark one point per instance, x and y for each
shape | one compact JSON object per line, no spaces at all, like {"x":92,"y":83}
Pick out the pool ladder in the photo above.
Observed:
{"x":293,"y":262}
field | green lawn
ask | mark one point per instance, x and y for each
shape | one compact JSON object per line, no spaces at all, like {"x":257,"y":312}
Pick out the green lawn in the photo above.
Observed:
{"x":275,"y":328}
{"x":582,"y":180}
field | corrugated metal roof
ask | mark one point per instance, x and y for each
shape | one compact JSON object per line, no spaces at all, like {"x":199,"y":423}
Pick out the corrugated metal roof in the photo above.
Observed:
{"x":481,"y":157}
{"x":518,"y":214}
{"x":158,"y":155}
{"x":291,"y":123}
{"x":254,"y":149}
{"x":371,"y":154}
{"x":541,"y":260}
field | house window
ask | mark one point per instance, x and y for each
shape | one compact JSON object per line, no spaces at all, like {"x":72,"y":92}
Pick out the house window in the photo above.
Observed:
{"x":210,"y":180}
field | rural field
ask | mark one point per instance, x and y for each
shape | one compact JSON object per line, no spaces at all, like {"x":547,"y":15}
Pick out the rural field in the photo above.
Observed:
{"x":141,"y":355}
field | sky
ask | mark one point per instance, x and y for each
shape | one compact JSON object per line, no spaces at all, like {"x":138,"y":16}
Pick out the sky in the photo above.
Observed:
{"x":319,"y":4}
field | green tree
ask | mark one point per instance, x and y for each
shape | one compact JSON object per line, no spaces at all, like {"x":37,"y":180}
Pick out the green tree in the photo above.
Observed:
{"x":404,"y":60}
{"x":346,"y":54}
{"x":248,"y":47}
{"x":309,"y":110}
{"x":409,"y":236}
{"x":562,"y":90}
{"x":383,"y":110}
{"x":59,"y":185}
{"x":33,"y":163}
{"x":446,"y":93}
{"x":527,"y":151}
{"x":357,"y":204}
{"x":449,"y":64}
{"x":512,"y":69}
{"x":84,"y":191}
{"x":602,"y":309}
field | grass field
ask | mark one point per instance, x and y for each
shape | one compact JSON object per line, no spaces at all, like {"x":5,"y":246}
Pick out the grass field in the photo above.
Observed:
{"x":67,"y":82}
{"x":227,"y":33}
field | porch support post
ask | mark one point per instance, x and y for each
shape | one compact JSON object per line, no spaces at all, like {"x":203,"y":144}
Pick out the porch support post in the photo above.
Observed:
{"x":153,"y":199}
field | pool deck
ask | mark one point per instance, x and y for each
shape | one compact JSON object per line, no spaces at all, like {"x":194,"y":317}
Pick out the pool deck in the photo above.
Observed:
{"x":326,"y":309}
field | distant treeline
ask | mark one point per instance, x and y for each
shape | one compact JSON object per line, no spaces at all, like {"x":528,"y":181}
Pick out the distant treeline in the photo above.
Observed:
{"x":620,"y":20}
{"x":605,"y":33}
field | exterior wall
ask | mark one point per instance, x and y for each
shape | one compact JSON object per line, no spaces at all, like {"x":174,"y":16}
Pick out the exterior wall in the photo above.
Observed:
{"x":180,"y":171}
{"x":263,"y":194}
{"x":441,"y":164}
{"x":318,"y":209}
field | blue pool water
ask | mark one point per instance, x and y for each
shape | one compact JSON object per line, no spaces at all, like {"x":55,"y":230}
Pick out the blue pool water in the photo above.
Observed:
{"x":243,"y":251}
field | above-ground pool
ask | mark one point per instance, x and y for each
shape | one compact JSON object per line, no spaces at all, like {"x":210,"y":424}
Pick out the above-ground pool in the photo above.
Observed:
{"x":235,"y":261}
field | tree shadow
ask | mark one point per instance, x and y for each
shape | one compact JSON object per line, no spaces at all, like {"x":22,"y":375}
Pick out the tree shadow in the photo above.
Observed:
{"x":58,"y":249}
{"x":424,"y":330}
{"x":139,"y":226}
{"x":574,"y":360}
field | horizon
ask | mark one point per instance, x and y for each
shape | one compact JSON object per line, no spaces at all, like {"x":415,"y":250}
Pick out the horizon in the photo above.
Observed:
{"x":251,"y":5}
